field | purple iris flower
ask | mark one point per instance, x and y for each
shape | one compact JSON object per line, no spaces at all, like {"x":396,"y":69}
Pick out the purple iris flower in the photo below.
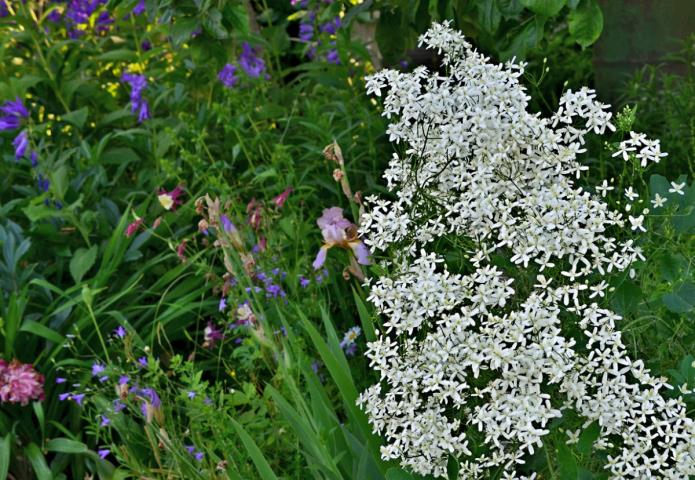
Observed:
{"x":228,"y":76}
{"x":250,"y":62}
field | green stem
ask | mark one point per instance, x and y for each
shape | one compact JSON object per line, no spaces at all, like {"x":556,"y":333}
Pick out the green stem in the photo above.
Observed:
{"x":98,"y":330}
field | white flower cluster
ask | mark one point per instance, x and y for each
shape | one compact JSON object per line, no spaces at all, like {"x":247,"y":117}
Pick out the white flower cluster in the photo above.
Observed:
{"x":477,"y":350}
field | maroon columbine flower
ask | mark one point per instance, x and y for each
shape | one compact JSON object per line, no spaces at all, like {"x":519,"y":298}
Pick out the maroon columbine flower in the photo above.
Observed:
{"x":170,"y":200}
{"x":282,"y":198}
{"x":255,"y":210}
{"x":181,"y":251}
{"x":212,"y":335}
{"x":133,"y":227}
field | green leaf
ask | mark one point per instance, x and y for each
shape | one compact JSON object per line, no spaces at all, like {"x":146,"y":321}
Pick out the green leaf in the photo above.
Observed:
{"x":77,"y":117}
{"x":489,"y":15}
{"x":65,"y":445}
{"x":61,"y":180}
{"x":254,"y":452}
{"x":510,"y":8}
{"x":527,"y":39}
{"x":567,"y":463}
{"x":238,"y":18}
{"x":5,"y":452}
{"x":626,"y":297}
{"x":546,"y":8}
{"x":43,"y":331}
{"x":365,"y":317}
{"x":122,"y":55}
{"x":182,"y":29}
{"x":213,"y":24}
{"x":433,"y":10}
{"x":452,"y":468}
{"x":586,"y":23}
{"x":658,"y":184}
{"x":81,"y":262}
{"x":38,"y":462}
{"x":681,"y":300}
{"x":587,"y":438}
{"x":394,"y":473}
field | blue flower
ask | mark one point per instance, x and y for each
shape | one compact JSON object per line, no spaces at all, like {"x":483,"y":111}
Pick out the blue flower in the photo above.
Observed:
{"x":139,"y":8}
{"x":138,"y":83}
{"x":250,"y":62}
{"x":12,"y":113}
{"x":332,"y":57}
{"x":97,"y":368}
{"x":228,"y":76}
{"x":306,"y":31}
{"x":43,"y":183}
{"x":331,"y":27}
{"x":21,"y":142}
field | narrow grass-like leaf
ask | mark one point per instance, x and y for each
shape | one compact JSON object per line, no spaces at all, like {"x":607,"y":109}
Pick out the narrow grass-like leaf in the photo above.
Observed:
{"x":5,"y":452}
{"x":38,"y":462}
{"x":262,"y":465}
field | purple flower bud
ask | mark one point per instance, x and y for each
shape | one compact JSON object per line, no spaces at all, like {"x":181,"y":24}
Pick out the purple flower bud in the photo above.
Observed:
{"x":21,"y":142}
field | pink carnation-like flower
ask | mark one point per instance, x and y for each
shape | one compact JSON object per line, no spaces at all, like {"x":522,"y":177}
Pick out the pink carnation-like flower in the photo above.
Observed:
{"x":19,"y":383}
